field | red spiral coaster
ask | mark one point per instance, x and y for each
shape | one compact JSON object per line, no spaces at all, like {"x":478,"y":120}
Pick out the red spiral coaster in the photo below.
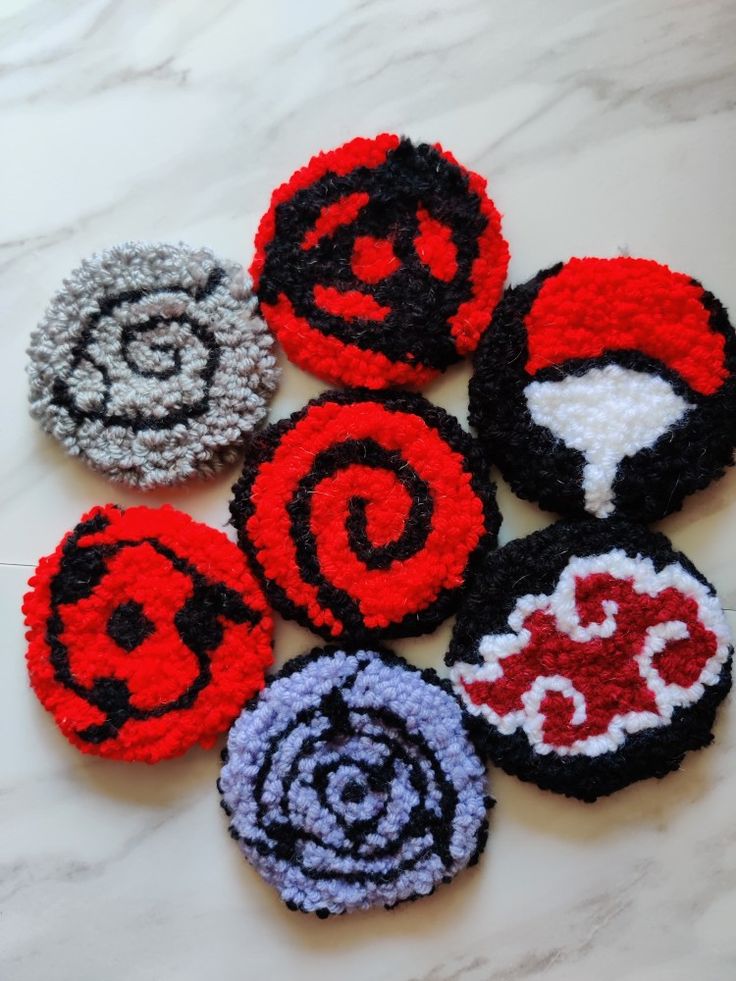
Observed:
{"x":362,"y":512}
{"x":147,"y":633}
{"x":380,"y":263}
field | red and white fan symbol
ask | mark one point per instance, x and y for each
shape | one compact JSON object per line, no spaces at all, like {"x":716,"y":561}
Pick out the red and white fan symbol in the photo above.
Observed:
{"x":607,"y":386}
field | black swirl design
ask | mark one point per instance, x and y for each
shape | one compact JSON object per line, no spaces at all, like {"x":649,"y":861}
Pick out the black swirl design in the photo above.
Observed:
{"x":151,"y":363}
{"x":188,"y":326}
{"x":381,"y":516}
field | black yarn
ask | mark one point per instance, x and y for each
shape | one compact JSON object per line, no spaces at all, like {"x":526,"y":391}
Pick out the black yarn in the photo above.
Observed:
{"x":414,"y":533}
{"x":81,"y":353}
{"x":532,"y":566}
{"x":416,"y":331}
{"x":540,"y":467}
{"x":421,"y":821}
{"x":81,"y":571}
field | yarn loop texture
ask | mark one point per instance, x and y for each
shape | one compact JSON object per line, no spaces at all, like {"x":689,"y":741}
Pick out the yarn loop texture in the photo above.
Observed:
{"x":147,"y":633}
{"x":592,"y":655}
{"x":352,"y":782}
{"x":380,"y":263}
{"x":362,"y":512}
{"x":607,"y":387}
{"x":151,"y":364}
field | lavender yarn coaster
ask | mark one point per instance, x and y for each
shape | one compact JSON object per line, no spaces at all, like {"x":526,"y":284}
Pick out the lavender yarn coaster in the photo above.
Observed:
{"x":352,"y":782}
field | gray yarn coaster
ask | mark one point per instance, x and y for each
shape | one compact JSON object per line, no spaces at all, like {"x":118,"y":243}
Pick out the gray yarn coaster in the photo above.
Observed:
{"x":151,"y":363}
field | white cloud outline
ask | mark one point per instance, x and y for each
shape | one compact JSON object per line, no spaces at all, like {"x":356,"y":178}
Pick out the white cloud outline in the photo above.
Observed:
{"x":560,"y":604}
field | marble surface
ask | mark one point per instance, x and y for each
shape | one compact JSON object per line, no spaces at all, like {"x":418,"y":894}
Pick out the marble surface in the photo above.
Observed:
{"x":603,"y":127}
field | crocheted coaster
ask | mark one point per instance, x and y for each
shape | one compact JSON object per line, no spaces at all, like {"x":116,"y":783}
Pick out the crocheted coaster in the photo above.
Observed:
{"x":362,"y":511}
{"x":594,"y":654}
{"x":351,"y":782}
{"x":150,"y":363}
{"x":380,"y":263}
{"x":147,"y":633}
{"x":607,"y":386}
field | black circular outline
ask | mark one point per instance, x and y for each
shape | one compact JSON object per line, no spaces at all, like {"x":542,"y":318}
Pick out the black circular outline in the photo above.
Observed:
{"x":261,"y":450}
{"x":429,"y":676}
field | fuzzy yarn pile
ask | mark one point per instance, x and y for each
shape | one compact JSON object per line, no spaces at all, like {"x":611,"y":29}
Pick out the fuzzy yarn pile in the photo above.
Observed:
{"x":151,"y":364}
{"x":362,"y":512}
{"x":352,"y":782}
{"x":147,"y":633}
{"x":607,"y":387}
{"x":593,"y":655}
{"x":380,"y":263}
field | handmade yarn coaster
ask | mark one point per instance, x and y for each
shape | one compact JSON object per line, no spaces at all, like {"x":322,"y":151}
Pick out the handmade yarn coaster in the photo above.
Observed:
{"x":607,"y":386}
{"x":151,"y":364}
{"x":147,"y":633}
{"x":352,"y":782}
{"x":593,"y":655}
{"x":380,"y":263}
{"x":362,"y":512}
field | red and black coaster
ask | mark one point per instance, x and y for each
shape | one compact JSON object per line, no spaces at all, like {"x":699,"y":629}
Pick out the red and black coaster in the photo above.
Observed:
{"x":607,"y":386}
{"x":147,"y":633}
{"x":592,"y":655}
{"x":362,"y":512}
{"x":380,"y":263}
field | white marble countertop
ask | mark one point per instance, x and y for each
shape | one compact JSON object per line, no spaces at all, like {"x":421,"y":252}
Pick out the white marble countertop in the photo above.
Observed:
{"x":602,"y":127}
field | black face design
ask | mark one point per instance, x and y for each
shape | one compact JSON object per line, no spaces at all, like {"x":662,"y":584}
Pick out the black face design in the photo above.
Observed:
{"x":402,"y":263}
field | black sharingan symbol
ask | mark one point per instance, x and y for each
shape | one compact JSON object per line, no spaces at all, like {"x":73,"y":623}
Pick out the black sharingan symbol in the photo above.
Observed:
{"x":128,"y":625}
{"x":198,"y":623}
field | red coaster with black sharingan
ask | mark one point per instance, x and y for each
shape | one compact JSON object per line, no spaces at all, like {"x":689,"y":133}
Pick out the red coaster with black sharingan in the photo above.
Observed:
{"x":607,"y":387}
{"x":147,"y":633}
{"x":362,"y":513}
{"x":380,"y":263}
{"x":592,"y":655}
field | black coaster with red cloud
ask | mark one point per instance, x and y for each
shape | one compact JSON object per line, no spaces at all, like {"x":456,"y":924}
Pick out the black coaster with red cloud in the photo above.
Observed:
{"x":380,"y":263}
{"x":607,"y":386}
{"x":591,"y":655}
{"x":147,"y":633}
{"x":362,"y":513}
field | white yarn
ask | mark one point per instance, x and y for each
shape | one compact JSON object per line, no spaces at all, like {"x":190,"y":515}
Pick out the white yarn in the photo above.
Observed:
{"x":607,"y":413}
{"x":561,"y":604}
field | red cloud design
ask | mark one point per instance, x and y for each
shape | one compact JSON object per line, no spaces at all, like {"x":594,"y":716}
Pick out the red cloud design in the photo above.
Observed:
{"x":598,"y":658}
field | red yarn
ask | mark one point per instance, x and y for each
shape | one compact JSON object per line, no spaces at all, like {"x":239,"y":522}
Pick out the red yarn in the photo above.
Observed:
{"x":333,"y":360}
{"x":471,"y":320}
{"x":341,"y":212}
{"x":595,"y":305}
{"x":350,"y":305}
{"x":435,"y":247}
{"x":445,"y":249}
{"x":604,"y":670}
{"x":153,"y":608}
{"x":368,"y":153}
{"x":373,"y":259}
{"x":385,"y":595}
